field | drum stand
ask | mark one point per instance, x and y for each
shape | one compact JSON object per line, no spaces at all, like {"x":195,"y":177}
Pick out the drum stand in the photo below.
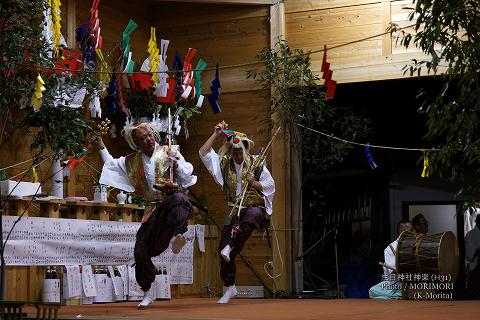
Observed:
{"x":302,"y":259}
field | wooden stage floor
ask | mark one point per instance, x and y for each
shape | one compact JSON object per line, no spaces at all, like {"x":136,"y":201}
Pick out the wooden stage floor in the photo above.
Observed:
{"x":278,"y":309}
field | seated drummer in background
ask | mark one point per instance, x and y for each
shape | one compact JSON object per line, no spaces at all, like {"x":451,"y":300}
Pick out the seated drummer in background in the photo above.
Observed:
{"x":420,"y":224}
{"x":390,"y":287}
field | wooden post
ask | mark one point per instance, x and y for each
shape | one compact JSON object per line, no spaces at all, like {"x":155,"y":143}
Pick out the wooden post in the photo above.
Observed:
{"x":127,"y":210}
{"x":72,"y":181}
{"x":71,"y":24}
{"x":78,"y":209}
{"x":104,"y":209}
{"x":281,"y":168}
{"x":17,"y":285}
{"x":50,"y":208}
{"x":16,"y":207}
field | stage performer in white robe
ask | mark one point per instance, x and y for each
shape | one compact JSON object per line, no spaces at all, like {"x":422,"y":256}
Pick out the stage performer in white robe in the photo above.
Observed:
{"x":230,"y":169}
{"x":149,"y":172}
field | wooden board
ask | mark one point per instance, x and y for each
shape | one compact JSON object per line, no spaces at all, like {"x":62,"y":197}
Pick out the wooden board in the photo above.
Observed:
{"x":353,"y":31}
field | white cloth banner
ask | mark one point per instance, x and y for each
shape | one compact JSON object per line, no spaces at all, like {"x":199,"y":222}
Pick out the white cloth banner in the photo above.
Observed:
{"x":49,"y":241}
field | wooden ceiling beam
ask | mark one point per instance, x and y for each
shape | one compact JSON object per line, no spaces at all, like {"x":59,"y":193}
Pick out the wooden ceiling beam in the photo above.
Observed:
{"x":236,"y":2}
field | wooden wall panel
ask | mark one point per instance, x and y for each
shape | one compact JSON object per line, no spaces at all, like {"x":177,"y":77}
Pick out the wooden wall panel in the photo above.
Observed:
{"x":307,"y":5}
{"x":400,"y":13}
{"x":225,"y":35}
{"x":224,"y":42}
{"x":311,"y":24}
{"x":202,"y":14}
{"x":368,"y":69}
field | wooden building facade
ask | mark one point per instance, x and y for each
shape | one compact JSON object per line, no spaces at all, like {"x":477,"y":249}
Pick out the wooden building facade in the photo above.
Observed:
{"x":231,"y":33}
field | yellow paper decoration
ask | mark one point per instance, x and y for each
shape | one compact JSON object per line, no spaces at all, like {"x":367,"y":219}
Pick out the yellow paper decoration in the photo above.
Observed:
{"x":34,"y":175}
{"x":103,"y":67}
{"x":154,"y":55}
{"x":426,"y":167}
{"x":55,"y":16}
{"x":37,"y":94}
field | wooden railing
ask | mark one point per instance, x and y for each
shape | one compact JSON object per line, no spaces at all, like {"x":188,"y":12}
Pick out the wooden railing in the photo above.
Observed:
{"x":26,"y":282}
{"x":13,"y":310}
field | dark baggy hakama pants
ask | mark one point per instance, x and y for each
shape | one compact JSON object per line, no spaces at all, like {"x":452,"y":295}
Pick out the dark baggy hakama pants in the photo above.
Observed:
{"x":250,"y":218}
{"x":169,"y":219}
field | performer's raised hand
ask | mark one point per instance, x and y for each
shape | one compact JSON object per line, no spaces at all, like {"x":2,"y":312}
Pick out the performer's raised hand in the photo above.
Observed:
{"x":220,"y":126}
{"x":98,"y":142}
{"x":217,"y":132}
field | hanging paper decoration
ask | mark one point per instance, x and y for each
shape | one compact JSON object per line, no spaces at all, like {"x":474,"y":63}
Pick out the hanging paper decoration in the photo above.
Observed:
{"x":370,"y":161}
{"x":188,"y":79}
{"x":121,"y":94}
{"x":175,"y":82}
{"x":128,"y":63}
{"x":55,"y":17}
{"x":178,"y":67}
{"x":154,"y":58}
{"x":118,"y":82}
{"x":94,"y":105}
{"x":330,"y":84}
{"x":426,"y":166}
{"x":94,"y":26}
{"x":82,"y":36}
{"x":170,"y":96}
{"x":201,"y":65}
{"x":102,"y":67}
{"x":162,"y":84}
{"x":176,"y":124}
{"x":111,"y":98}
{"x":185,"y":129}
{"x":74,"y":161}
{"x":88,"y":35}
{"x":34,"y":175}
{"x":140,"y":81}
{"x":70,"y":60}
{"x":214,"y":97}
{"x":47,"y":33}
{"x":37,"y":94}
{"x":70,"y":96}
{"x":160,"y":123}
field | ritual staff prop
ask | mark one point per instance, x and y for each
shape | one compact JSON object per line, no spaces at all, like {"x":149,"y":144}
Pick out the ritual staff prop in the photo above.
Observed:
{"x":102,"y":129}
{"x":168,"y":184}
{"x":254,"y":167}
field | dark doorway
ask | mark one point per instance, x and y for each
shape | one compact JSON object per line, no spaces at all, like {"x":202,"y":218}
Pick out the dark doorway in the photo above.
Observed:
{"x":352,"y":197}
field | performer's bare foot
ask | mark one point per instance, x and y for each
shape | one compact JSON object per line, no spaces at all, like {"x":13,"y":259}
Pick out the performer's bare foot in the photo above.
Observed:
{"x":230,"y":293}
{"x":147,"y":300}
{"x":178,"y":243}
{"x":226,"y":252}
